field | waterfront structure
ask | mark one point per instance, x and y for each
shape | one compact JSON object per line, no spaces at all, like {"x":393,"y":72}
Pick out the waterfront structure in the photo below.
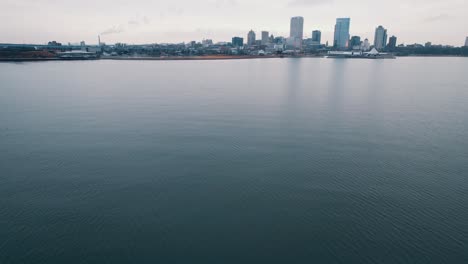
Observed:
{"x":392,"y":43}
{"x":355,"y":42}
{"x":265,"y":37}
{"x":316,"y":37}
{"x":251,"y":38}
{"x":341,"y":38}
{"x":466,"y":42}
{"x":237,"y":42}
{"x":77,"y":55}
{"x":373,"y":54}
{"x":296,"y":31}
{"x":380,"y":40}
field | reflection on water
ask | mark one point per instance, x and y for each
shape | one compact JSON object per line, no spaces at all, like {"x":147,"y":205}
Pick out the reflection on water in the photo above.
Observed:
{"x":248,"y":161}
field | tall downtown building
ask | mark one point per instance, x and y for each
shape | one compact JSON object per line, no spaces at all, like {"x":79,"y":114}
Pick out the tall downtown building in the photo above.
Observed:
{"x":317,"y":36}
{"x":265,"y":37}
{"x":355,"y":42}
{"x":341,"y":38}
{"x":296,"y":31}
{"x":251,"y":38}
{"x":380,"y":41}
{"x":466,"y":42}
{"x":392,"y":43}
{"x":297,"y":27}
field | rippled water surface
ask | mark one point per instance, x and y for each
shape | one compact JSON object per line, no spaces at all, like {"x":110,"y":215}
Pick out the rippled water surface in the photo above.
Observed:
{"x":242,"y":161}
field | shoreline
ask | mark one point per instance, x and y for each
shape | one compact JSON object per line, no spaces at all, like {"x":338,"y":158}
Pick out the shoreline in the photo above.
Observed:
{"x":173,"y":58}
{"x":433,"y":55}
{"x":28,"y":59}
{"x":204,"y":58}
{"x":190,"y":58}
{"x":210,"y":57}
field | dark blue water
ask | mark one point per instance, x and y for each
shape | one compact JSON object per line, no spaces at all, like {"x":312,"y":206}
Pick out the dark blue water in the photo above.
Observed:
{"x":249,"y":161}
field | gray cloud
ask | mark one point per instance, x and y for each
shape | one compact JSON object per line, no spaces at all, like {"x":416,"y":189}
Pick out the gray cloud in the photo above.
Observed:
{"x":437,"y":18}
{"x":309,"y":2}
{"x":174,"y":10}
{"x":124,"y":21}
{"x":225,"y":3}
{"x":133,"y":23}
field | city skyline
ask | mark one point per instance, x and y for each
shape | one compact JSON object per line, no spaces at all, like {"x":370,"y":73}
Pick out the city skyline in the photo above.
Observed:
{"x":162,"y":22}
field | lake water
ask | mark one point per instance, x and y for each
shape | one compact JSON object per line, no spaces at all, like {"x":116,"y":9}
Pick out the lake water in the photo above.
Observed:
{"x":239,"y":161}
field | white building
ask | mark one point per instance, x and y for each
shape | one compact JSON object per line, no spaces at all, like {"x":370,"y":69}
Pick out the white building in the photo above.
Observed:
{"x":278,"y":47}
{"x":365,"y":46}
{"x":297,"y":31}
{"x":207,"y":42}
{"x":293,"y":43}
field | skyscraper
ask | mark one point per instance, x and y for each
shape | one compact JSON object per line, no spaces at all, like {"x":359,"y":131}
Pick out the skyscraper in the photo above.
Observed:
{"x":392,"y":42}
{"x":265,"y":37}
{"x":297,"y":31}
{"x":380,"y":41}
{"x":355,"y":42}
{"x":341,"y":38}
{"x":466,"y":42}
{"x":317,"y":37}
{"x":237,"y":42}
{"x":251,"y":38}
{"x":297,"y":27}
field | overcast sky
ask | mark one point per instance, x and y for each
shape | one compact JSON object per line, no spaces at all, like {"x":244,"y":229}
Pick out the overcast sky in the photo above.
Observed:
{"x":157,"y":21}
